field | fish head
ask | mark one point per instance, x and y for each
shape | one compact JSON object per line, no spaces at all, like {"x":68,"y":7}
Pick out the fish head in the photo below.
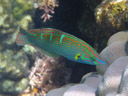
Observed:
{"x":89,"y":59}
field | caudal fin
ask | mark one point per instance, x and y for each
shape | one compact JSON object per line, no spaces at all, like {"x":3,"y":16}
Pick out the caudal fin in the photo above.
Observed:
{"x":21,"y":40}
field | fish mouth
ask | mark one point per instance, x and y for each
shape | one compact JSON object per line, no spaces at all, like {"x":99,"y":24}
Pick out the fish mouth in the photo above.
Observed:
{"x":96,"y":62}
{"x":100,"y":62}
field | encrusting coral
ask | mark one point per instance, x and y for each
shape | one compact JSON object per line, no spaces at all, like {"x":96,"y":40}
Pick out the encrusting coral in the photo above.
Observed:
{"x":112,"y":14}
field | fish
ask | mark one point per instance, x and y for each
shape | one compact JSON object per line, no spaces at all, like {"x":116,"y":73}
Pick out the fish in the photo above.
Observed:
{"x":53,"y":42}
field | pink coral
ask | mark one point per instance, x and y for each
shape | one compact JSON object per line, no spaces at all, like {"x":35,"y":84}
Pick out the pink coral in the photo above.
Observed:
{"x":48,"y":7}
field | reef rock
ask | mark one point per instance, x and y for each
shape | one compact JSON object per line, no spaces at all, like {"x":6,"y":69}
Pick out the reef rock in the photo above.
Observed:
{"x":121,"y":36}
{"x":80,"y":90}
{"x":87,"y":87}
{"x":59,"y":91}
{"x":112,"y":77}
{"x":123,"y":88}
{"x":110,"y":54}
{"x":90,"y":78}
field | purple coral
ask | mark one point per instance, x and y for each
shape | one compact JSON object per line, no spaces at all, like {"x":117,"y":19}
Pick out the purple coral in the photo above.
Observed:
{"x":47,"y":73}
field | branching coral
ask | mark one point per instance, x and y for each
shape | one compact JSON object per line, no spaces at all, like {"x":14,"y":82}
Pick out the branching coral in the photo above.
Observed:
{"x":48,"y":7}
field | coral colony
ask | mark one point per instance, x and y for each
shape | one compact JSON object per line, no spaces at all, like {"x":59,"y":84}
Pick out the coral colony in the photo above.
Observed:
{"x":48,"y":7}
{"x":44,"y":76}
{"x":112,"y":13}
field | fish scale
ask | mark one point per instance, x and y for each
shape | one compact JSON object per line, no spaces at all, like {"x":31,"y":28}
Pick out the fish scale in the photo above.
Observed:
{"x":54,"y":42}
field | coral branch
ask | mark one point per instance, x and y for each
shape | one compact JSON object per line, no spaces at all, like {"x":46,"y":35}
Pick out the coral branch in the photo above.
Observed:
{"x":48,"y":7}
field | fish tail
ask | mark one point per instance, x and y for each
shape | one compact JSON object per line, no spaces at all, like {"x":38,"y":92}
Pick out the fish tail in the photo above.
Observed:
{"x":21,"y":39}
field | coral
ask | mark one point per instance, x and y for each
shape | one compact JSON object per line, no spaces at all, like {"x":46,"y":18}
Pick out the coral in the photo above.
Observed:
{"x":116,"y":48}
{"x":12,"y":87}
{"x":118,"y":37}
{"x":48,"y":73}
{"x":111,"y":53}
{"x":48,"y":7}
{"x":13,"y":68}
{"x":86,"y":87}
{"x":112,"y":77}
{"x":112,"y":14}
{"x":14,"y":64}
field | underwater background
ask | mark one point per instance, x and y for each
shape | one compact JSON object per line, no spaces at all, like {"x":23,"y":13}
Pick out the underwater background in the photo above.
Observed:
{"x":101,"y":23}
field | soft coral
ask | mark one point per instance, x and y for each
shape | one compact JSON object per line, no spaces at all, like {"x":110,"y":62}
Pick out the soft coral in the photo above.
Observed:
{"x":48,"y":7}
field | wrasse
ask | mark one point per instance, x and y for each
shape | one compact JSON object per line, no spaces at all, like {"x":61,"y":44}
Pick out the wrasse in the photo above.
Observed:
{"x":53,"y":42}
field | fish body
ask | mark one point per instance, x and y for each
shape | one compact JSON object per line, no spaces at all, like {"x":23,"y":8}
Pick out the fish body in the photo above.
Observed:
{"x":54,"y":42}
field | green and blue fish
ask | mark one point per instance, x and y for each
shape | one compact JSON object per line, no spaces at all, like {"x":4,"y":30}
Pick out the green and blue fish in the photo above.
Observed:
{"x":53,"y":42}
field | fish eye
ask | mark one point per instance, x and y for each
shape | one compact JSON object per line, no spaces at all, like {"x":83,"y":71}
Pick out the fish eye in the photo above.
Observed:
{"x":93,"y":58}
{"x":77,"y":56}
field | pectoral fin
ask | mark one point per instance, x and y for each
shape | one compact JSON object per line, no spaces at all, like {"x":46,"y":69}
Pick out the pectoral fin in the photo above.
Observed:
{"x":51,"y":54}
